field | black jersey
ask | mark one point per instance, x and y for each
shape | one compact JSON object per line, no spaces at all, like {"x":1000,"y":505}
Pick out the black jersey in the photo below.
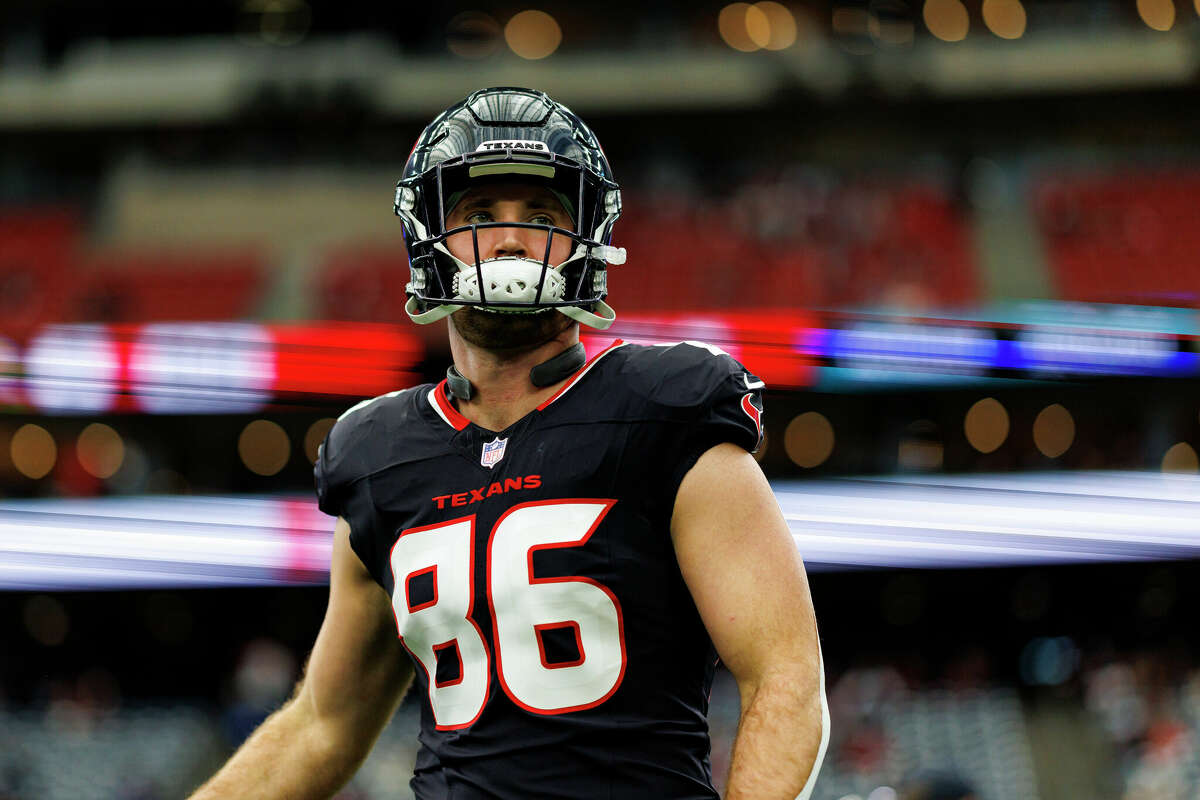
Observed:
{"x":533,"y":578}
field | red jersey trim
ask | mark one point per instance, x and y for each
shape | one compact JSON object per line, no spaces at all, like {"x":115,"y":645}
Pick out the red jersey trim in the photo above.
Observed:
{"x":445,"y":409}
{"x":752,"y":412}
{"x":582,"y":371}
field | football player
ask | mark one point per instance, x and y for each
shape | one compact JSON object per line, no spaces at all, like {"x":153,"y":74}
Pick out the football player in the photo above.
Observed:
{"x":557,"y":549}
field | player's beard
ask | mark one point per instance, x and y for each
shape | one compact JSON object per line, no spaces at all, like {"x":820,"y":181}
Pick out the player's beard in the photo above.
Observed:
{"x":508,"y":333}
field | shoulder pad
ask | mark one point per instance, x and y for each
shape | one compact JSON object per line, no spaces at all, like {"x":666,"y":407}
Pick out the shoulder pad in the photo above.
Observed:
{"x":361,"y":442}
{"x":686,"y":374}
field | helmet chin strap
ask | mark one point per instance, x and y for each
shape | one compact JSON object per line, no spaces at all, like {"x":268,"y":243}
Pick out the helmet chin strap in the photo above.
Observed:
{"x":547,"y":373}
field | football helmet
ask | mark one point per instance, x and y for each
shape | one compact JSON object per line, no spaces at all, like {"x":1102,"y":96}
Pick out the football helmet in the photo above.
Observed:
{"x":508,"y":134}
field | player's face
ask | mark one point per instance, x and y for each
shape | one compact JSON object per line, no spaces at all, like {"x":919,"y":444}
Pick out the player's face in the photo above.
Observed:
{"x":509,"y":202}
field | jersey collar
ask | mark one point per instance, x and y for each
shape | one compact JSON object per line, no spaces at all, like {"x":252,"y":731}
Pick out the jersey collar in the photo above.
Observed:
{"x":439,"y":395}
{"x":574,"y":379}
{"x":440,"y":400}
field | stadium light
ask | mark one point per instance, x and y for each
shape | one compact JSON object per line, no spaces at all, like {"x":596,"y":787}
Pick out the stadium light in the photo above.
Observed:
{"x":100,"y":450}
{"x":1004,"y":18}
{"x":986,"y":425}
{"x":734,"y":25}
{"x":533,"y":34}
{"x":1053,"y":430}
{"x":781,"y":25}
{"x":946,"y":19}
{"x":1157,"y":14}
{"x":1180,"y":457}
{"x":264,"y":447}
{"x":313,"y":437}
{"x":808,"y":439}
{"x":33,"y":451}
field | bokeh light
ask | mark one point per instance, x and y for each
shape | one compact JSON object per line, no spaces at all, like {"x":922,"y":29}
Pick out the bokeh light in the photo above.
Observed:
{"x":986,"y":425}
{"x":1180,"y":457}
{"x":1005,"y":18}
{"x":1157,"y":14}
{"x":533,"y":34}
{"x":264,"y":447}
{"x":100,"y":450}
{"x":758,"y":26}
{"x":473,"y":34}
{"x":33,"y":451}
{"x":808,"y":439}
{"x":315,"y":435}
{"x":946,"y":19}
{"x":780,"y":25}
{"x":1053,"y":431}
{"x":734,"y":26}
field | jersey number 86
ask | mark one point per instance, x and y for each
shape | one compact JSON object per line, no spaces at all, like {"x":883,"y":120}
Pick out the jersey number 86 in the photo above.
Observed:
{"x":521,"y":607}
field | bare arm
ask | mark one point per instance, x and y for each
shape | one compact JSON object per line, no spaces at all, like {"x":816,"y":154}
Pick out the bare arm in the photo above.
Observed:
{"x":748,"y":582}
{"x":355,"y":678}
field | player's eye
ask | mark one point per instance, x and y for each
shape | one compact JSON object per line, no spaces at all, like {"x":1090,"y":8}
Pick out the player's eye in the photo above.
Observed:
{"x":478,"y":217}
{"x":542,"y":219}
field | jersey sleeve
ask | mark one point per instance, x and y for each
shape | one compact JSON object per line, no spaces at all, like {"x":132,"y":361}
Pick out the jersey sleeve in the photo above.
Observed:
{"x":339,"y":475}
{"x":731,"y":409}
{"x":709,"y":395}
{"x":330,"y":485}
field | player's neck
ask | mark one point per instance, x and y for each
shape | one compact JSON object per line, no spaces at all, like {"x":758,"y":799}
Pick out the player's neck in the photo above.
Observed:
{"x":501,"y":389}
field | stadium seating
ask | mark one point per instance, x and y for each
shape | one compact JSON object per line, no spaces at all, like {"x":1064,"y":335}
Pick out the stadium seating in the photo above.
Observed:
{"x":144,"y":754}
{"x":152,"y":753}
{"x":37,"y":248}
{"x":811,"y":246}
{"x":145,"y":286}
{"x":897,"y":243}
{"x":978,"y":734}
{"x":47,"y":275}
{"x":158,"y":751}
{"x":361,"y":283}
{"x":1123,"y":236}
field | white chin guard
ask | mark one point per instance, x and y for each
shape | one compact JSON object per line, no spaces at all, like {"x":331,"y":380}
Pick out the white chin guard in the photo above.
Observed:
{"x":515,"y":280}
{"x":509,"y":280}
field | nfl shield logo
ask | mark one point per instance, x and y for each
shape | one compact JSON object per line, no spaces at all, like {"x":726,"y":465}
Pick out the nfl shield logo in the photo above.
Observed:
{"x":493,"y":451}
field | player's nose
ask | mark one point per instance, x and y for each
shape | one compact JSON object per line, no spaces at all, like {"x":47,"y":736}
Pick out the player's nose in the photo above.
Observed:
{"x":510,"y":243}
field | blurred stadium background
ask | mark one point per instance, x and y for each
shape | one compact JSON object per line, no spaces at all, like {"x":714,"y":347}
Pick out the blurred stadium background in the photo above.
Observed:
{"x":960,"y":240}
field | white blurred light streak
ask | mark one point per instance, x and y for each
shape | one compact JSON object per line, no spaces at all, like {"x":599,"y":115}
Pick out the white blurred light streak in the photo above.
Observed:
{"x":215,"y":368}
{"x":991,"y":520}
{"x":895,"y":521}
{"x":72,"y":368}
{"x":162,"y":541}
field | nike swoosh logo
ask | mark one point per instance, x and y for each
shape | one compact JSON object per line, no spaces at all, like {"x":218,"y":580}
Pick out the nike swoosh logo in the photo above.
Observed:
{"x":754,"y":385}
